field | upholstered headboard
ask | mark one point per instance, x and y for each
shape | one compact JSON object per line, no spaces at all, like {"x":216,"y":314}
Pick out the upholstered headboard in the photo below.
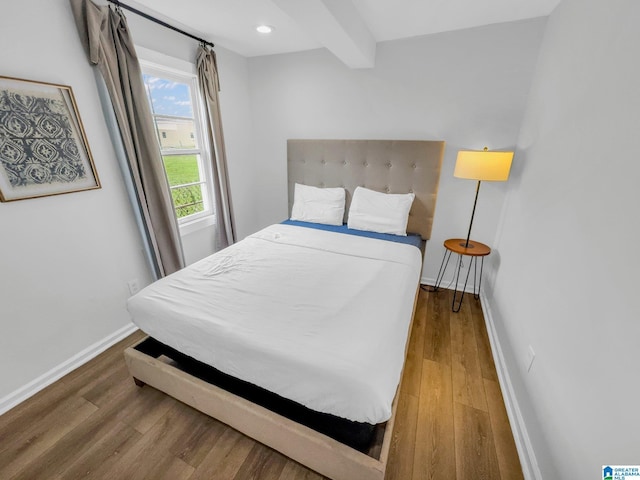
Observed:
{"x":390,"y":166}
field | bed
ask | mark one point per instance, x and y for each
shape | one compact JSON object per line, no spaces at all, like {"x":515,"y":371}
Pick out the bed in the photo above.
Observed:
{"x":296,"y":336}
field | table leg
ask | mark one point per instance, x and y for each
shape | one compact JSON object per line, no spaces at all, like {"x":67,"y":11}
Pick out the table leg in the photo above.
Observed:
{"x":476,"y":295}
{"x":441,"y":272}
{"x":456,"y":308}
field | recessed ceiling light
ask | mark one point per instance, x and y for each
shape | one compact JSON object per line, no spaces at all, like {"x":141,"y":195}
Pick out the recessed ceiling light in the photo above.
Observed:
{"x":264,"y":29}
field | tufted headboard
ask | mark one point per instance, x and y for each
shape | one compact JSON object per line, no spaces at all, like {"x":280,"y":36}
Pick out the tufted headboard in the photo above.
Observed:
{"x":390,"y":166}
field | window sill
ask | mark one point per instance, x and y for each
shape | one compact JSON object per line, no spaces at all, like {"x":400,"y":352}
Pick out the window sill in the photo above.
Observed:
{"x":197,"y":224}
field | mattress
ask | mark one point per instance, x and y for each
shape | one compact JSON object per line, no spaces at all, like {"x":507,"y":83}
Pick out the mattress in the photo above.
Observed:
{"x":314,"y":316}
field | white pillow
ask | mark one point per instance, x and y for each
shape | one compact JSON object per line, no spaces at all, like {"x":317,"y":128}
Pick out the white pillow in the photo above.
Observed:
{"x":318,"y":205}
{"x":380,"y":212}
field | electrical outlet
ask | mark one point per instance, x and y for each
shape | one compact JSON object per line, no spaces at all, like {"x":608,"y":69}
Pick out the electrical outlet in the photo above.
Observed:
{"x":134,"y":286}
{"x":531,"y":356}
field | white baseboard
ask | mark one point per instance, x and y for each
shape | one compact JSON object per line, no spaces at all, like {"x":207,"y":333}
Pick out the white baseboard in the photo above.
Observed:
{"x":20,"y":395}
{"x":447,"y":285}
{"x":527,"y":456}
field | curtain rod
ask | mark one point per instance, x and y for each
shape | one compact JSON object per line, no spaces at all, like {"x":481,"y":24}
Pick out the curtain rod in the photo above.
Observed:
{"x":159,"y":22}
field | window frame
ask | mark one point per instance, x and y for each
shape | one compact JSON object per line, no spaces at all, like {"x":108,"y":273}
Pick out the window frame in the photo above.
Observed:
{"x":202,"y":149}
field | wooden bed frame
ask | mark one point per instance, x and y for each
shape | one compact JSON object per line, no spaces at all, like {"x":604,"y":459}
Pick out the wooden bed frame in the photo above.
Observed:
{"x":396,"y":167}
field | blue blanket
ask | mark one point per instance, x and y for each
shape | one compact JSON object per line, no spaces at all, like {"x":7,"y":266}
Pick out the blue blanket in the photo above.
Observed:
{"x":411,"y":238}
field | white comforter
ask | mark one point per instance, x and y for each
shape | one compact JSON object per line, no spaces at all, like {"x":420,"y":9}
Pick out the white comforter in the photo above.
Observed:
{"x":317,"y":317}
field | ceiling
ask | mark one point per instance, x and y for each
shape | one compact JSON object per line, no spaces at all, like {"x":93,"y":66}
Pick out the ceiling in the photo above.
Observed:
{"x":348,"y":28}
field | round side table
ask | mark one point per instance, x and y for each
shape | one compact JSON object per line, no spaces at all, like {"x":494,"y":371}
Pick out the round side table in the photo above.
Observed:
{"x":471,"y":249}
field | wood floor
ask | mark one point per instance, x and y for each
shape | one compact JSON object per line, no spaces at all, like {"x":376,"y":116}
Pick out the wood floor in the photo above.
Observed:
{"x":95,"y":424}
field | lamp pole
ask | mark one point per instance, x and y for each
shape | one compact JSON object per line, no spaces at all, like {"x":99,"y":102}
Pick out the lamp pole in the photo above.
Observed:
{"x":473,"y":212}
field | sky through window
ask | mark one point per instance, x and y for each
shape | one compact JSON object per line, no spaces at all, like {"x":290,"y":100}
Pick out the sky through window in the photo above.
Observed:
{"x":169,"y":97}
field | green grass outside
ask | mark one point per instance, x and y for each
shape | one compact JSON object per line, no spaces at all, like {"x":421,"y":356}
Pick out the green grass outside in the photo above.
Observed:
{"x":183,"y":169}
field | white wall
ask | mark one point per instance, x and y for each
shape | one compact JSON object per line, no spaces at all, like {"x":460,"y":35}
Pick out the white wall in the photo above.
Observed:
{"x":567,"y":278}
{"x":65,"y":260}
{"x":467,"y":87}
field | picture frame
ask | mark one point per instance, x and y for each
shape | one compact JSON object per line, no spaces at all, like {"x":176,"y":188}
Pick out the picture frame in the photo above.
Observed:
{"x":43,"y":145}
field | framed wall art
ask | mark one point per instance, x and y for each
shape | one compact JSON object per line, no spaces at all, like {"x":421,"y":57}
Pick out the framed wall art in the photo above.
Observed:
{"x":43,"y":146}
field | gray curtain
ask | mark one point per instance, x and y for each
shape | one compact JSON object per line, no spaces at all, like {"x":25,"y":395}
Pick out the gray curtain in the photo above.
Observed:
{"x":210,"y":86}
{"x":105,"y":36}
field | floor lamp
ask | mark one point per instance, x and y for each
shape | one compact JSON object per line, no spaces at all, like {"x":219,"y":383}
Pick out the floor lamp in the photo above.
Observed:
{"x":473,"y":165}
{"x":482,"y":166}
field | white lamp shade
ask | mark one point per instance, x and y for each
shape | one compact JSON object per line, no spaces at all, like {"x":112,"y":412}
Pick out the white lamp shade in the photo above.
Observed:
{"x":483,"y":165}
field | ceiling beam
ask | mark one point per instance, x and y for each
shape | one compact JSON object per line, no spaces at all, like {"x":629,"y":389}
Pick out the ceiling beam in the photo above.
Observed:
{"x":337,"y":25}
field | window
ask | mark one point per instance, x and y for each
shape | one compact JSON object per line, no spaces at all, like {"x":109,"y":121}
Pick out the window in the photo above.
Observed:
{"x":173,"y":97}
